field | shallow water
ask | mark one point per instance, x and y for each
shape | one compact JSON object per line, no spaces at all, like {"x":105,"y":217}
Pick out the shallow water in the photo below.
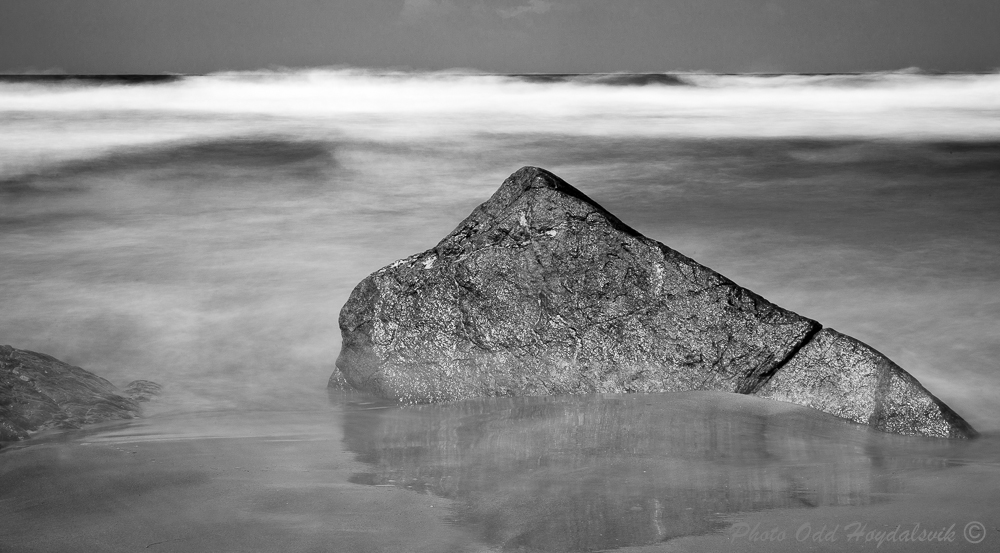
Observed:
{"x":204,"y":233}
{"x":687,"y":471}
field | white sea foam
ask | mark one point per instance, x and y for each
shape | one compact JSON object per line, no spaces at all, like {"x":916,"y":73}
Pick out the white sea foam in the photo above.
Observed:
{"x":409,"y":105}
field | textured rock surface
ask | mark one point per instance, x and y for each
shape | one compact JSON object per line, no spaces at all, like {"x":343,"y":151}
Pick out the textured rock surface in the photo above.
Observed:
{"x":840,"y":375}
{"x":38,"y":391}
{"x":542,"y":291}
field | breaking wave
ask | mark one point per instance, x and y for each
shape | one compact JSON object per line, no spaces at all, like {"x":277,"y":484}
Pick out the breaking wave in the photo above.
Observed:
{"x":876,"y":104}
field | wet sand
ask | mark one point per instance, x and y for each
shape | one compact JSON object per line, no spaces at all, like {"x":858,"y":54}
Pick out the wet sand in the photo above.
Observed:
{"x":215,"y":482}
{"x":669,"y":472}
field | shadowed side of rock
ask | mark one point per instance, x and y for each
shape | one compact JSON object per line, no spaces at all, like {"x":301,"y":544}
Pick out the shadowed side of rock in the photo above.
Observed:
{"x":542,"y":291}
{"x":843,"y":376}
{"x":38,"y":391}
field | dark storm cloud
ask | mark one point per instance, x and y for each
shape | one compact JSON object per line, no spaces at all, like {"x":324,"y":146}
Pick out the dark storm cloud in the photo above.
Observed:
{"x":113,"y":36}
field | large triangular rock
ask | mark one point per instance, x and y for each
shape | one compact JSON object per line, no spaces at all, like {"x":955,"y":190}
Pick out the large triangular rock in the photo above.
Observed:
{"x":542,"y":291}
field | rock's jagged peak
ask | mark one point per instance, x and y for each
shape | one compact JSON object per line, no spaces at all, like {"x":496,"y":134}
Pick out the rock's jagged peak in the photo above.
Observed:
{"x":529,"y":178}
{"x":540,"y":290}
{"x":528,"y":182}
{"x":553,"y":202}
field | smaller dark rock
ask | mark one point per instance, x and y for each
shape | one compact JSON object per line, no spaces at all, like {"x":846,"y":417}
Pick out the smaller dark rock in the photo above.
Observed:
{"x":38,"y":391}
{"x":143,"y":390}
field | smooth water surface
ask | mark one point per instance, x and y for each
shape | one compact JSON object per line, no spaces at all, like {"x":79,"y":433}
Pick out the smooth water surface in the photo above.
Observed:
{"x":669,"y":472}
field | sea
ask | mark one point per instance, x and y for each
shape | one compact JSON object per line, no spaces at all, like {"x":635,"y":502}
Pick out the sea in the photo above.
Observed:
{"x":204,"y":231}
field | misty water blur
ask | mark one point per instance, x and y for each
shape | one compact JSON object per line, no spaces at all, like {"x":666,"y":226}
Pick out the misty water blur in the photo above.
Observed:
{"x":204,"y":232}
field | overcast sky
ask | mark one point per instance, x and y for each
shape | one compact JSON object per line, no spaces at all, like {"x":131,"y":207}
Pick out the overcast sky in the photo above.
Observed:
{"x":197,"y":36}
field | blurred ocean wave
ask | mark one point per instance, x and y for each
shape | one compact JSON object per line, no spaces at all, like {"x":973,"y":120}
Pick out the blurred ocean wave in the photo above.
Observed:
{"x":410,"y":105}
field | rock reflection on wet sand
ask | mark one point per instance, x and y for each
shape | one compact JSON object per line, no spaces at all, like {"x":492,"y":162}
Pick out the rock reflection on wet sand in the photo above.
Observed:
{"x":600,"y":472}
{"x":662,"y":473}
